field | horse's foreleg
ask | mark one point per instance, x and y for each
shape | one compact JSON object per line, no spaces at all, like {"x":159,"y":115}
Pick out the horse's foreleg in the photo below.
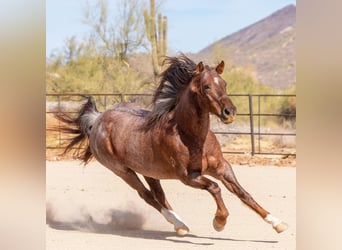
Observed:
{"x":231,"y":183}
{"x":196,"y":180}
{"x":166,"y":210}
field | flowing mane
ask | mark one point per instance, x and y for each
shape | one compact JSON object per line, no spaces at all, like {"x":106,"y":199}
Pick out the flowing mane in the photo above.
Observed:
{"x":172,"y":81}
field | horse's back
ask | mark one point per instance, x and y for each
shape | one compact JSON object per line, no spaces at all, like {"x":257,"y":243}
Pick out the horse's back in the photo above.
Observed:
{"x":119,"y":141}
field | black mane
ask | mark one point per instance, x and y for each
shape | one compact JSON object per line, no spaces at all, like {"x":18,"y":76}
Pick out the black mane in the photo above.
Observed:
{"x":172,"y":81}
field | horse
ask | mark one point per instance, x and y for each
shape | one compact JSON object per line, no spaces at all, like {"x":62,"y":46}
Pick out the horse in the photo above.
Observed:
{"x":172,"y":140}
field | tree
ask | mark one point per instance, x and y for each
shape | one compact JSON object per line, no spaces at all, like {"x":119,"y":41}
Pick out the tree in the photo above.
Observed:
{"x":121,"y":36}
{"x":99,"y":63}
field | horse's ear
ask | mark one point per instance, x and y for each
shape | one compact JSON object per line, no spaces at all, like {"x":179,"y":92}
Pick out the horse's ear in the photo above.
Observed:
{"x":199,"y":68}
{"x":220,"y":67}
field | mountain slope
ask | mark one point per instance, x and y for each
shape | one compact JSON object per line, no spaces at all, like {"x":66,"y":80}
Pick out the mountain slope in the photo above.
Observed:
{"x":267,"y":47}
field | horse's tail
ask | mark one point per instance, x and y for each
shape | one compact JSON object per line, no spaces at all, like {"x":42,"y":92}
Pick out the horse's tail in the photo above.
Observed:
{"x":80,"y":128}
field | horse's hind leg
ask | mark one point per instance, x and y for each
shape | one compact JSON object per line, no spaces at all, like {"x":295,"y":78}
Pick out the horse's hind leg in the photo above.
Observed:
{"x":230,"y":181}
{"x":166,"y":210}
{"x":131,"y":178}
{"x":158,"y":192}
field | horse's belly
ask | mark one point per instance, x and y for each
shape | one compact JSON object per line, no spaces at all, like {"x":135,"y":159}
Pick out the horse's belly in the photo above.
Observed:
{"x":156,"y":172}
{"x":154,"y":168}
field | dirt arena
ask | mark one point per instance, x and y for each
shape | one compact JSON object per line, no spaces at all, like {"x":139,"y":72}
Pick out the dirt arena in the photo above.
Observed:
{"x":91,"y":208}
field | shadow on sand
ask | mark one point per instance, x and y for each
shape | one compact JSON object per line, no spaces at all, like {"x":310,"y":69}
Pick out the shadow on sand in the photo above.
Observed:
{"x":118,"y":226}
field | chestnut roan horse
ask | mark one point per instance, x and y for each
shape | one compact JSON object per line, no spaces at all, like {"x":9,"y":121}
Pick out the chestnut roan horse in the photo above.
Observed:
{"x":171,"y":141}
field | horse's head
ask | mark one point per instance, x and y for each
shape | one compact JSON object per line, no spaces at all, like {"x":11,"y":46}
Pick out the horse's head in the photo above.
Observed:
{"x":211,"y":89}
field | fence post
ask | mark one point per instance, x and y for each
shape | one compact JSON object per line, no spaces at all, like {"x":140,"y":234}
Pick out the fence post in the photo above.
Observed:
{"x":259,"y":150}
{"x":105,"y":102}
{"x":59,"y":122}
{"x":251,"y":122}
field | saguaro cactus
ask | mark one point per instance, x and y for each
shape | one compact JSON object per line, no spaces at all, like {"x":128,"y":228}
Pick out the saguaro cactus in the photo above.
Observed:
{"x":157,"y":36}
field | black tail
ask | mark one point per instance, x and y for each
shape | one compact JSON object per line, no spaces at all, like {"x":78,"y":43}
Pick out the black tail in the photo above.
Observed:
{"x":79,"y":127}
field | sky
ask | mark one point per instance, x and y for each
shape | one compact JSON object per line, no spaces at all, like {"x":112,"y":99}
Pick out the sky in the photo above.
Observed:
{"x":192,"y":24}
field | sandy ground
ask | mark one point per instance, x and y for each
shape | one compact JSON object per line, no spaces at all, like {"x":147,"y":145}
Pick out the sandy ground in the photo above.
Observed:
{"x":91,"y":208}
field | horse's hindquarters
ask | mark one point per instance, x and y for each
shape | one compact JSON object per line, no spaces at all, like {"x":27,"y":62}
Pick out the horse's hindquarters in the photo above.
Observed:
{"x":118,"y":141}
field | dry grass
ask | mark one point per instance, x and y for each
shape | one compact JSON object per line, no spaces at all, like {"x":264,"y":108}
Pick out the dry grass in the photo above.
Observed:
{"x":53,"y":139}
{"x":267,"y":144}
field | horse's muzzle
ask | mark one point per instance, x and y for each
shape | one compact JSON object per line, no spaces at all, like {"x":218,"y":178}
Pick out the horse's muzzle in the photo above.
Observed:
{"x":228,"y":115}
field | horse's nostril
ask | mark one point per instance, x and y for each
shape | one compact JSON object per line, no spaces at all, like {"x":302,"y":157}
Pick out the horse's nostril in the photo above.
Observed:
{"x":226,"y":111}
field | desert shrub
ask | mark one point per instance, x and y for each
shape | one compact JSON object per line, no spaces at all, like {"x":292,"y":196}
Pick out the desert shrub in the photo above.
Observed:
{"x":288,"y":109}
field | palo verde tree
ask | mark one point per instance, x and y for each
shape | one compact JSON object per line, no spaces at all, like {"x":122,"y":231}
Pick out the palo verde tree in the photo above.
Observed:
{"x":98,"y":63}
{"x":121,"y":35}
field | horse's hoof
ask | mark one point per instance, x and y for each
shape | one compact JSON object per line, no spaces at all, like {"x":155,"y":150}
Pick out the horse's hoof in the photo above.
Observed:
{"x":181,"y":231}
{"x":217,"y":226}
{"x":281,"y":227}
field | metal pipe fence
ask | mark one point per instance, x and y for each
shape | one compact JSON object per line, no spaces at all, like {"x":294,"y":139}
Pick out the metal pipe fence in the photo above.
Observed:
{"x":252,"y":118}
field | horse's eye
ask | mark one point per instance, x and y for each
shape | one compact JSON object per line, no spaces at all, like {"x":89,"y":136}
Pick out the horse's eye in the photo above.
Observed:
{"x":206,"y":86}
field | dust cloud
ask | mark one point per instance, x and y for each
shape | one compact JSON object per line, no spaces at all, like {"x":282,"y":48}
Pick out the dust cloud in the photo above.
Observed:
{"x":70,"y":215}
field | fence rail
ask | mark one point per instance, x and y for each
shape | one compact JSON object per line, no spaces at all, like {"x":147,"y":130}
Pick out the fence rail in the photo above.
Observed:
{"x":253,"y":118}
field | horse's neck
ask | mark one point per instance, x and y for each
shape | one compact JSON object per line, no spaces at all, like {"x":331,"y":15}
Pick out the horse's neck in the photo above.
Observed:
{"x":192,"y":119}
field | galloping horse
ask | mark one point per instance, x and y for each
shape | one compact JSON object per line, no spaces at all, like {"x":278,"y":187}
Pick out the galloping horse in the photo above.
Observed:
{"x":171,"y":141}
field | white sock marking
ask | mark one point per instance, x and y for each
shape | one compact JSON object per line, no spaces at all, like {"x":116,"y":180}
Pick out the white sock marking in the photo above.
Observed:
{"x":172,"y":217}
{"x":272,"y":220}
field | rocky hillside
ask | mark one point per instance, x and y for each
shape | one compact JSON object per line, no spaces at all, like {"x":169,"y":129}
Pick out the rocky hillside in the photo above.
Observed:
{"x":267,"y":47}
